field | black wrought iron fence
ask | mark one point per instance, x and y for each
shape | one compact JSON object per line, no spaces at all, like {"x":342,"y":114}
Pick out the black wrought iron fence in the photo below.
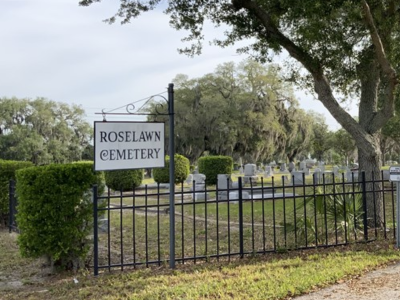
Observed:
{"x":237,"y":219}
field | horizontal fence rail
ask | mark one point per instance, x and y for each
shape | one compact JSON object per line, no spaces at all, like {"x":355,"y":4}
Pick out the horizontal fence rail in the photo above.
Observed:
{"x":237,"y":219}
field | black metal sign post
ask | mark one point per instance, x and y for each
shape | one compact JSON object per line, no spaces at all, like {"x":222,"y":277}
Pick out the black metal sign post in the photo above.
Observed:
{"x":171,"y":176}
{"x":131,"y":110}
{"x":394,"y":176}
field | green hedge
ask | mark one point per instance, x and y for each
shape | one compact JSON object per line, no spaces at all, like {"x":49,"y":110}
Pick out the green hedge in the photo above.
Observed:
{"x":125,"y":180}
{"x":182,"y":166}
{"x":211,"y":166}
{"x":55,"y":212}
{"x":7,"y":172}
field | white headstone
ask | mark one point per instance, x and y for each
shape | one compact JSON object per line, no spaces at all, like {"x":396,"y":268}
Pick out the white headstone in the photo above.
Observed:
{"x":250,"y":170}
{"x":269,"y":171}
{"x":199,"y":178}
{"x":198,"y":182}
{"x":189,"y":179}
{"x":224,"y":180}
{"x":223,"y":184}
{"x":310,"y":163}
{"x":298,"y":178}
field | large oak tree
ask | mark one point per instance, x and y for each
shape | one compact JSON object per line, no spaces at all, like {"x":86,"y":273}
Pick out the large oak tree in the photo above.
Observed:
{"x":346,"y":46}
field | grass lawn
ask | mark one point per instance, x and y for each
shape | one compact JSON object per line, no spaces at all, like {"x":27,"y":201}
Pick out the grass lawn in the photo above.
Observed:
{"x":272,"y":276}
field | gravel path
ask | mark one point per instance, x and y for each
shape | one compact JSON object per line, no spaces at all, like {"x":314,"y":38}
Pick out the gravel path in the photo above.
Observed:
{"x":382,"y":284}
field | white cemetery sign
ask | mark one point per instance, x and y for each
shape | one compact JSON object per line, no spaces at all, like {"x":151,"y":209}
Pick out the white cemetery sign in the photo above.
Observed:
{"x":128,"y":145}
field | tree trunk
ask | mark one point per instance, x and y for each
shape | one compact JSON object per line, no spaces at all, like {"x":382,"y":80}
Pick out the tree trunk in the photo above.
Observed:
{"x":371,"y":163}
{"x":370,"y":158}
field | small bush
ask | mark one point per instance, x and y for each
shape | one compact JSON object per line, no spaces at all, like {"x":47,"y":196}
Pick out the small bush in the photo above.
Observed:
{"x":211,"y":166}
{"x":55,"y":212}
{"x":7,"y":173}
{"x":182,"y":166}
{"x":125,"y":180}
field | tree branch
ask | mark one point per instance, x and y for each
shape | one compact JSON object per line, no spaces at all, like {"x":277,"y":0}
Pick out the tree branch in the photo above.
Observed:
{"x":321,"y":83}
{"x":387,"y":111}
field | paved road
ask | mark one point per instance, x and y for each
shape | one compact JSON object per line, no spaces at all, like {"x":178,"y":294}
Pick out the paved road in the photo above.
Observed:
{"x":382,"y":284}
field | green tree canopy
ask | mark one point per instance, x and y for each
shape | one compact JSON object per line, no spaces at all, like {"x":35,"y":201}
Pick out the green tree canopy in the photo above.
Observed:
{"x":42,"y":131}
{"x":344,"y":145}
{"x":245,"y":110}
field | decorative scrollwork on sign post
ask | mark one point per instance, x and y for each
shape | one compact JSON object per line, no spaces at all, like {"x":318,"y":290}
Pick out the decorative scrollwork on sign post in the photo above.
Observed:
{"x":143,"y":110}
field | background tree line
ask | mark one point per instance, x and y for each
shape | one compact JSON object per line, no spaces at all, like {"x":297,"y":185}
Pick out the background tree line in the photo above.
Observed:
{"x":43,"y":131}
{"x":247,"y":111}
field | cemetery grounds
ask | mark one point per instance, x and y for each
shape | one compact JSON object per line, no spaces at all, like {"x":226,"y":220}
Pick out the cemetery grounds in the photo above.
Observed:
{"x":280,"y":275}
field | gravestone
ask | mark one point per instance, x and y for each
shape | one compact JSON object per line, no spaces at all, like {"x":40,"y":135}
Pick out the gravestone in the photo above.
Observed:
{"x":223,"y":184}
{"x":302,"y":166}
{"x":189,"y":179}
{"x":297,"y":178}
{"x":197,"y":184}
{"x":250,"y":173}
{"x":268,"y":171}
{"x":250,"y":169}
{"x":283,"y":167}
{"x":234,"y":195}
{"x":309,"y":163}
{"x":317,"y":176}
{"x":291,"y":167}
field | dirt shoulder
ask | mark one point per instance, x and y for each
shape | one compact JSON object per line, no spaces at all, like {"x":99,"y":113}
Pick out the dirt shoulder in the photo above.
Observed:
{"x":381,"y":284}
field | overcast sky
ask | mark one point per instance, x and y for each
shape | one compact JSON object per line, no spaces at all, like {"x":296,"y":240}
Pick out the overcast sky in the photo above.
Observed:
{"x":61,"y":51}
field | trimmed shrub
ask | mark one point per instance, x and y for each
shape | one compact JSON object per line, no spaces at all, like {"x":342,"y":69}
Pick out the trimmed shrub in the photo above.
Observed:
{"x":55,"y":212}
{"x":182,"y":166}
{"x":211,"y":166}
{"x":125,"y":180}
{"x":7,"y":173}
